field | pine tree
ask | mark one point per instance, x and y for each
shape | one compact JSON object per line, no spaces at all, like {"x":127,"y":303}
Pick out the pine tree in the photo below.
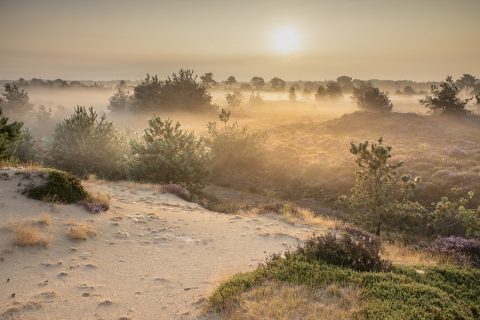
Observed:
{"x":85,"y":144}
{"x":9,"y":134}
{"x":167,"y":154}
{"x":445,"y":100}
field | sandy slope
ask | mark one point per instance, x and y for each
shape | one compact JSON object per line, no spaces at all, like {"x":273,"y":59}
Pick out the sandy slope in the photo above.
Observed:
{"x":155,"y":256}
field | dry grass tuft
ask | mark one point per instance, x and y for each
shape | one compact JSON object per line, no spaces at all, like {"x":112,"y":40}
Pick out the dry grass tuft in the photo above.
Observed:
{"x":283,"y":301}
{"x":78,"y":231}
{"x":293,"y":215}
{"x":44,"y":220}
{"x":402,"y":255}
{"x":26,"y":235}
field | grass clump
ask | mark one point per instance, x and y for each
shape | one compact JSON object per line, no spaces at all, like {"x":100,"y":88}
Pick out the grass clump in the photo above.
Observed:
{"x":95,"y":203}
{"x":30,"y":236}
{"x":79,"y":232}
{"x":59,"y":186}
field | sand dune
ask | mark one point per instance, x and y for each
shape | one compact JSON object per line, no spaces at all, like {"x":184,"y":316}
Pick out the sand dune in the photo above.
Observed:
{"x":151,"y":256}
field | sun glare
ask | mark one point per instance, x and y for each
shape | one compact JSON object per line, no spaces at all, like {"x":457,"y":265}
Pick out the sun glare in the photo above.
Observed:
{"x":286,"y":40}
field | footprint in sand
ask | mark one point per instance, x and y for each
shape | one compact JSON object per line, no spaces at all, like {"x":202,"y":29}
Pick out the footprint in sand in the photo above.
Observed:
{"x":105,"y":303}
{"x":90,"y":266}
{"x":47,"y":295}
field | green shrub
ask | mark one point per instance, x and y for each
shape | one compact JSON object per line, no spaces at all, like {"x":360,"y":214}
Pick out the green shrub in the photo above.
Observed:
{"x":181,"y":91}
{"x":234,"y":150}
{"x":453,"y":218}
{"x":86,"y":144}
{"x":26,"y":150}
{"x":58,"y":186}
{"x":361,"y":253}
{"x":370,"y":98}
{"x":446,"y":99}
{"x":379,"y":193}
{"x":9,"y":135}
{"x":166,"y":154}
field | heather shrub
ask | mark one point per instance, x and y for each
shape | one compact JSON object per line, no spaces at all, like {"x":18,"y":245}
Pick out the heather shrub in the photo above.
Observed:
{"x":459,"y":250}
{"x":177,"y":190}
{"x":167,"y":154}
{"x":95,"y":203}
{"x":360,"y":253}
{"x":87,"y":144}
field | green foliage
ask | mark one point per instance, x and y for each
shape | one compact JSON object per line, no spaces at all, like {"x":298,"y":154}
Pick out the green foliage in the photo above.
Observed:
{"x":467,"y":82}
{"x":333,"y":90}
{"x":452,"y":218}
{"x":121,"y":100}
{"x":370,"y":98}
{"x":9,"y":135}
{"x":379,"y":194}
{"x":85,"y":143}
{"x":277,"y":84}
{"x":234,"y":99}
{"x":258,"y":82}
{"x":207,"y":80}
{"x":362,"y":253}
{"x":443,"y":292}
{"x":230,"y":81}
{"x":15,"y":101}
{"x":26,"y":150}
{"x":181,"y":91}
{"x":346,"y":83}
{"x":234,"y":150}
{"x":167,"y":154}
{"x":59,"y":186}
{"x":445,"y":100}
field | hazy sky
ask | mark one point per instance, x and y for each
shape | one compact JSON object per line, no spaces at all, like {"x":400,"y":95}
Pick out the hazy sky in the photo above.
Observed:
{"x":120,"y":39}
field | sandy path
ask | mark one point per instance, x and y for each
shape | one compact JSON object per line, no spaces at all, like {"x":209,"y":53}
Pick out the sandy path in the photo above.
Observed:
{"x":155,"y":256}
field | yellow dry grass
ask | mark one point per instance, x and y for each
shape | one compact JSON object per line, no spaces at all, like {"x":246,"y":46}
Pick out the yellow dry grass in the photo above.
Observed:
{"x":26,"y":235}
{"x":44,"y":220}
{"x":402,"y":255}
{"x":286,"y":302}
{"x":295,"y":215}
{"x":101,"y":199}
{"x":79,"y":231}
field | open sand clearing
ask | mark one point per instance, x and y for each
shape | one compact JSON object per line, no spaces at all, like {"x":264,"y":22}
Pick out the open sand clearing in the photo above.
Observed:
{"x":154,"y":256}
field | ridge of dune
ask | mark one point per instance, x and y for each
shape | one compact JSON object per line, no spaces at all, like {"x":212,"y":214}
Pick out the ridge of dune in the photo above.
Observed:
{"x":154,"y":256}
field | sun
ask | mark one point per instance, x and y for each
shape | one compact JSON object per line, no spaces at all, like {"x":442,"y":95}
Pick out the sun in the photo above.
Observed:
{"x":286,"y":40}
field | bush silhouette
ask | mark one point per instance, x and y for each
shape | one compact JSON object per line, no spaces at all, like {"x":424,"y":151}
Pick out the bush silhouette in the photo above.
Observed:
{"x":167,"y":154}
{"x":10,"y":134}
{"x":85,"y":143}
{"x":15,"y":101}
{"x":370,"y":98}
{"x":445,"y":100}
{"x":181,"y":91}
